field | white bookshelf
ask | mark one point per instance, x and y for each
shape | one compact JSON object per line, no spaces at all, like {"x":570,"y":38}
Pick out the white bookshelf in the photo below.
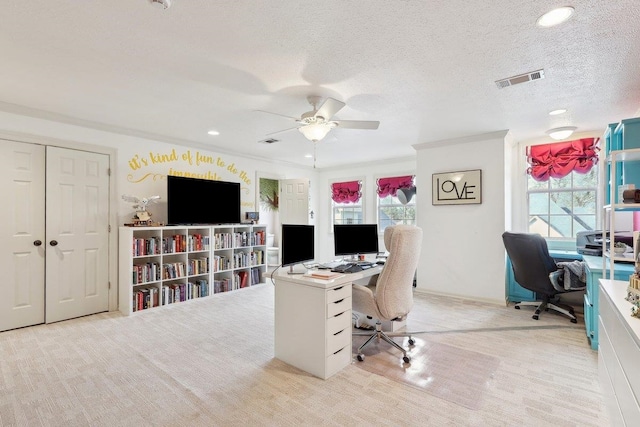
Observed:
{"x":160,"y":266}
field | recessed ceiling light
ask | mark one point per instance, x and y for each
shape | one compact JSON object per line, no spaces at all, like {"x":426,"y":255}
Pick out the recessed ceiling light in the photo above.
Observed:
{"x":308,"y":156}
{"x":213,"y":132}
{"x":557,"y":112}
{"x":555,"y":16}
{"x":561,"y":132}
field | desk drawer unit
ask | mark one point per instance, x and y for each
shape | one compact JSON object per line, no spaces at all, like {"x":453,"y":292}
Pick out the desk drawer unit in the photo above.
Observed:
{"x":338,"y":329}
{"x":619,"y":356}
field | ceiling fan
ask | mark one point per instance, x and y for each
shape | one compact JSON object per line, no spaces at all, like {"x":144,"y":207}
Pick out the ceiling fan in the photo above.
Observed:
{"x":317,"y":123}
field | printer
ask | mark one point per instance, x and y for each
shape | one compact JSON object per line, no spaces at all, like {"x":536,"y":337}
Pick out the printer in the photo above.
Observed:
{"x":590,"y":242}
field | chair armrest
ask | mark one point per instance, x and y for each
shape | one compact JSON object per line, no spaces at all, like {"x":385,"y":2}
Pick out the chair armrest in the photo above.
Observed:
{"x":363,"y":301}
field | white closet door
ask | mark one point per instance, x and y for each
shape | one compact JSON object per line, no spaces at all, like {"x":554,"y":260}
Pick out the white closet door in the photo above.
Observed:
{"x":22,"y":230}
{"x":77,"y":233}
{"x":294,"y":201}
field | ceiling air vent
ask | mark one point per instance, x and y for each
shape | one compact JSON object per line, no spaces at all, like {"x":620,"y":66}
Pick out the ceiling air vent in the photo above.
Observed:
{"x":268,"y":141}
{"x":522,"y":78}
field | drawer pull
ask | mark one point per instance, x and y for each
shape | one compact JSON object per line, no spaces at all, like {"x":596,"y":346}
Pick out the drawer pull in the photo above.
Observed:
{"x":338,"y":333}
{"x":339,"y":301}
{"x":339,"y":350}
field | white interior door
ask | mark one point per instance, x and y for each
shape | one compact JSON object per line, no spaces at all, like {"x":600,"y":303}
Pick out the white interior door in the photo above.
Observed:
{"x":22,"y":252}
{"x":294,"y":201}
{"x":77,"y":187}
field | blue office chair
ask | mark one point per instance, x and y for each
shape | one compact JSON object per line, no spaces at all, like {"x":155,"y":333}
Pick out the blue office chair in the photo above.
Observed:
{"x":532,"y":266}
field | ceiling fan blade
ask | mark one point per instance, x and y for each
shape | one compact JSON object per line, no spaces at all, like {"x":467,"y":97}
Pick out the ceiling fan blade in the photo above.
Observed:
{"x":356,"y":124}
{"x":282,"y":131}
{"x":329,"y":108}
{"x":277,"y":114}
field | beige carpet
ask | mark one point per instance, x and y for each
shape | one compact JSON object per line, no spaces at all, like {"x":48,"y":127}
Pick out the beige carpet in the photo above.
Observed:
{"x":454,"y":374}
{"x":209,"y":362}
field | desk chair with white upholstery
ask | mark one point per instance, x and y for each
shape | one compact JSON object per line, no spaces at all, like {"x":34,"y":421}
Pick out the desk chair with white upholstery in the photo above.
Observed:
{"x":392,"y":297}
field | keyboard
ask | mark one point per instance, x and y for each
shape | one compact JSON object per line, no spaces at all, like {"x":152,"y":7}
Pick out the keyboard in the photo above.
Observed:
{"x":347,"y":268}
{"x":330,"y":265}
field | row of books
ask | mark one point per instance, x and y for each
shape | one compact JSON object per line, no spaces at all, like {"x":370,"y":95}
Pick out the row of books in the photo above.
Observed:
{"x":143,"y":273}
{"x":171,"y":244}
{"x":197,"y":242}
{"x":173,"y":270}
{"x":142,"y":247}
{"x":238,"y":260}
{"x":144,"y":298}
{"x":184,"y":292}
{"x":255,"y":238}
{"x":198,"y":266}
{"x":238,"y":240}
{"x":239,"y":279}
{"x":247,"y":259}
{"x":221,"y":263}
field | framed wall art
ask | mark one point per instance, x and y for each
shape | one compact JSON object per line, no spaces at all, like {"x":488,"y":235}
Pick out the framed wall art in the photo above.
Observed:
{"x":457,"y":188}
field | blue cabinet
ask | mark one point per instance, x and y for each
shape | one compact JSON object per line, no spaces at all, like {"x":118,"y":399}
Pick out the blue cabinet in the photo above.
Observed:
{"x":624,"y":136}
{"x":591,"y":310}
{"x":516,"y":293}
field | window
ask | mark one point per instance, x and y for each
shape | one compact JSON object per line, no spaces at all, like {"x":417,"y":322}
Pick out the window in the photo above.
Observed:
{"x":562,"y":188}
{"x":390,"y":210}
{"x":346,"y":203}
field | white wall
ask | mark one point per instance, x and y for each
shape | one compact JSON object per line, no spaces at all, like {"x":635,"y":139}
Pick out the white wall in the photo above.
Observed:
{"x":462,"y":251}
{"x":368,"y":173}
{"x":142,"y":164}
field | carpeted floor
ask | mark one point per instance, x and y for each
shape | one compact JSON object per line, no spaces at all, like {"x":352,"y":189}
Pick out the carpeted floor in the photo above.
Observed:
{"x":210,"y":362}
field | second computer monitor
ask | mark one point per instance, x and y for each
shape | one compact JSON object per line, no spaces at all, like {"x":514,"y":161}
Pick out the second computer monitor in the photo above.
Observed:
{"x":355,"y":239}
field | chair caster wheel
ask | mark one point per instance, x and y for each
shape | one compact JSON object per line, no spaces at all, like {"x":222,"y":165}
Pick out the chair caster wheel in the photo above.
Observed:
{"x":360,"y":357}
{"x":535,"y":317}
{"x":574,"y":320}
{"x":406,"y":359}
{"x":411,"y":341}
{"x":517,"y":307}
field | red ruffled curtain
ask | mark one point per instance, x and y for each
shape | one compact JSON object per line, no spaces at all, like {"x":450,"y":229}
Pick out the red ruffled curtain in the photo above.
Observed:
{"x":389,"y":186}
{"x":346,"y":192}
{"x":561,"y":158}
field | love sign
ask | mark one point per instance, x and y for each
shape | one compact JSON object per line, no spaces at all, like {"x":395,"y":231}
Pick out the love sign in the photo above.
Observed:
{"x":457,"y":188}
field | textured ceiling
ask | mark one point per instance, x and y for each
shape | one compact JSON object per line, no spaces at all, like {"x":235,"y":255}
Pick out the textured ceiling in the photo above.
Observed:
{"x":425,"y":69}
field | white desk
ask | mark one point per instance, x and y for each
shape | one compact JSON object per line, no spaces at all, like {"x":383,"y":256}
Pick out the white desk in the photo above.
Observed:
{"x":313,"y":321}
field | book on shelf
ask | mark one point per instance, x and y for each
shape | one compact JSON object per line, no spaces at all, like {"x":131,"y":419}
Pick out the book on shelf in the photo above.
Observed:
{"x":244,"y":280}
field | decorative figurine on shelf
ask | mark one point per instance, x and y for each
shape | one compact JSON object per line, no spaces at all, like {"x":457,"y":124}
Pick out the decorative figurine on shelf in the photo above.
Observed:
{"x":142,"y":216}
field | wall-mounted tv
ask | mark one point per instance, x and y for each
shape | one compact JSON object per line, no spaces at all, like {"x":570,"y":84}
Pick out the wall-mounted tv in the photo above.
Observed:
{"x":202,"y":201}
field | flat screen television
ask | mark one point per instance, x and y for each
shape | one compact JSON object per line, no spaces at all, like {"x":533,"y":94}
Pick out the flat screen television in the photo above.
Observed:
{"x":296,"y":244}
{"x":202,"y":201}
{"x":355,"y":239}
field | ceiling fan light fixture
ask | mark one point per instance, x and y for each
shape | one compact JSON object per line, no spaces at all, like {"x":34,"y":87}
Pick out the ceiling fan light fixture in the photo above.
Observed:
{"x":316,"y":131}
{"x":561,"y":132}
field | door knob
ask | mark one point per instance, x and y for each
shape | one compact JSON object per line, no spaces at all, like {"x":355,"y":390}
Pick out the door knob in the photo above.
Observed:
{"x":37,"y":243}
{"x":53,"y":243}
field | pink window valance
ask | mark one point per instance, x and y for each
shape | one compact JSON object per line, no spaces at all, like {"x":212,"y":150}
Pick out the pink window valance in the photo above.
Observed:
{"x":346,"y":192}
{"x":389,"y":186}
{"x":559,"y":159}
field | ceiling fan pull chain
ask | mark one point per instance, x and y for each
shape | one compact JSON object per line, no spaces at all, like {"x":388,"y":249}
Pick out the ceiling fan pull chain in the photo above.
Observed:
{"x":314,"y":154}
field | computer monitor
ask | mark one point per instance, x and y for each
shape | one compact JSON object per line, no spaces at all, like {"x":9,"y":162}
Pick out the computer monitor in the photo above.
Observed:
{"x":296,"y":245}
{"x":355,"y":239}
